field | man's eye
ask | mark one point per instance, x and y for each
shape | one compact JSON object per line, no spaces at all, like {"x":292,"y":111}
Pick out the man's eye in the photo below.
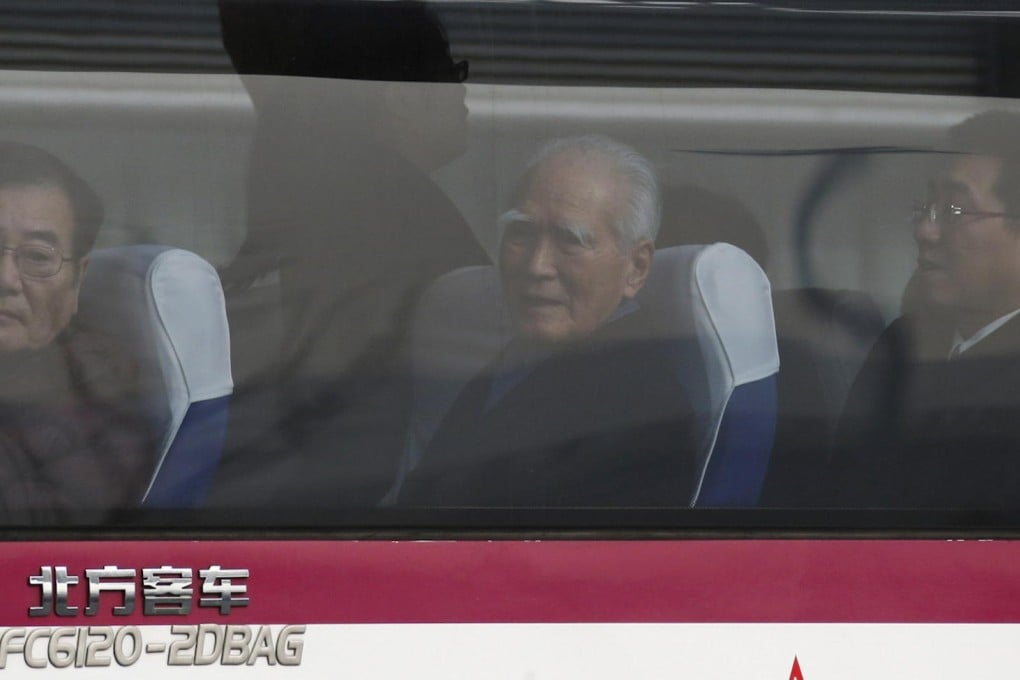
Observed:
{"x":570,"y":241}
{"x":519,"y":233}
{"x":36,"y":255}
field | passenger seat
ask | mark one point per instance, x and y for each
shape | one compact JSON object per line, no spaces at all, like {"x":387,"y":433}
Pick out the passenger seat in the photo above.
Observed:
{"x":165,"y":305}
{"x":714,"y":300}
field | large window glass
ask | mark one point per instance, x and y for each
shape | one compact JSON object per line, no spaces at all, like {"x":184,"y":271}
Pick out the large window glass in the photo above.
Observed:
{"x":534,"y":265}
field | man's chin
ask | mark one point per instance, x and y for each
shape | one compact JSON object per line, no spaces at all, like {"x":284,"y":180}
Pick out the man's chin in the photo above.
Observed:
{"x":542,"y":337}
{"x":13,"y":342}
{"x":9,"y":348}
{"x":939,"y":294}
{"x":542,"y":332}
{"x":935,"y":297}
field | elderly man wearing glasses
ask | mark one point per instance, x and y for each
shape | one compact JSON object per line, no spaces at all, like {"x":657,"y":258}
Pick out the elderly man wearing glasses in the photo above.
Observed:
{"x":933,"y":419}
{"x":72,"y":444}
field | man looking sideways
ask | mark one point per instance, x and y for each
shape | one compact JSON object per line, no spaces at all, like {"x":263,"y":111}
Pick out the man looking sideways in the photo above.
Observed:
{"x":933,"y":419}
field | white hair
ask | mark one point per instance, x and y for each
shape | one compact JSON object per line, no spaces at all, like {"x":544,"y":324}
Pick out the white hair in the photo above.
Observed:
{"x":641,"y":220}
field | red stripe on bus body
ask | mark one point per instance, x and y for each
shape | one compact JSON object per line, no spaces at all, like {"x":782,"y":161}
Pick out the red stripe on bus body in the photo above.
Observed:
{"x":549,"y":581}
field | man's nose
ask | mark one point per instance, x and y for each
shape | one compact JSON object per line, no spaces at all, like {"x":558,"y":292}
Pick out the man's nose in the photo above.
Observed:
{"x":10,"y":279}
{"x":927,"y":231}
{"x":542,"y":259}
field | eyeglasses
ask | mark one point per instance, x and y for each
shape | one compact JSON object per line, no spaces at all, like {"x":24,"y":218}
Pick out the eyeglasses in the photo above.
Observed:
{"x":36,"y":261}
{"x":947,"y":214}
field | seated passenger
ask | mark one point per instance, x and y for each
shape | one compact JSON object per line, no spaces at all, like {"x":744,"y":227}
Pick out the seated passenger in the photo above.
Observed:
{"x":577,"y":409}
{"x":71,"y":441}
{"x":933,"y":419}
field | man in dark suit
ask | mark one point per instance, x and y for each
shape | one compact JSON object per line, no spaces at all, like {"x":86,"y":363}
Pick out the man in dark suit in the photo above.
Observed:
{"x":73,"y":444}
{"x":933,"y":420}
{"x":578,"y":409}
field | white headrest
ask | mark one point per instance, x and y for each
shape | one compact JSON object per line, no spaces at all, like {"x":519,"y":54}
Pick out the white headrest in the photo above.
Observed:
{"x":732,"y":305}
{"x":718,"y":295}
{"x":165,"y":305}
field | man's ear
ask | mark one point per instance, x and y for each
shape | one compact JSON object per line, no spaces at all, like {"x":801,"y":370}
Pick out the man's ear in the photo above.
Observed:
{"x":640,"y":256}
{"x":80,"y":267}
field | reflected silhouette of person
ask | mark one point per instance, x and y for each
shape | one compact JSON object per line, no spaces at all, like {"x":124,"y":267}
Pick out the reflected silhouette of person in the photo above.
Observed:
{"x":356,"y":104}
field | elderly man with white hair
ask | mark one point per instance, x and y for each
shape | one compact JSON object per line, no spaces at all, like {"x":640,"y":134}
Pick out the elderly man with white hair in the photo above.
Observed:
{"x":577,"y":410}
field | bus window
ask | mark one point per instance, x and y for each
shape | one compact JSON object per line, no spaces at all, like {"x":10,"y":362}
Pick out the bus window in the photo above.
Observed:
{"x":522,"y":339}
{"x":367,"y":263}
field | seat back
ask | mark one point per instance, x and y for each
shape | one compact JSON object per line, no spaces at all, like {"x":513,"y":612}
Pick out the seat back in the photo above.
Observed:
{"x":165,"y":305}
{"x":713,"y":301}
{"x":719,"y":296}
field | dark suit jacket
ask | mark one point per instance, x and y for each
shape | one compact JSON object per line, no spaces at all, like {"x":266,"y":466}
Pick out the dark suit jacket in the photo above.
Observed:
{"x":604,"y":422}
{"x":74,"y":444}
{"x":922,"y":431}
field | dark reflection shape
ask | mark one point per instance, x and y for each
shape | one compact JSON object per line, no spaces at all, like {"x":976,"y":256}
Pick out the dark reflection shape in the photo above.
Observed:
{"x":367,"y":40}
{"x":341,"y":206}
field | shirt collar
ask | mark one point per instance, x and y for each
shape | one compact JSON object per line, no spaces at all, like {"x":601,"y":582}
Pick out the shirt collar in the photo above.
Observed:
{"x":629,"y":306}
{"x":961,"y":344}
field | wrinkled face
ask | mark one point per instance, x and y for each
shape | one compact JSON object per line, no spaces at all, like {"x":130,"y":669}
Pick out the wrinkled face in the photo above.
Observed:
{"x":563,"y":270}
{"x":970,"y":264}
{"x":33,"y":310}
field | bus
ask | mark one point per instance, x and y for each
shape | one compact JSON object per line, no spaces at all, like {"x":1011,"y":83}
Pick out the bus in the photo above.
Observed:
{"x":509,"y":339}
